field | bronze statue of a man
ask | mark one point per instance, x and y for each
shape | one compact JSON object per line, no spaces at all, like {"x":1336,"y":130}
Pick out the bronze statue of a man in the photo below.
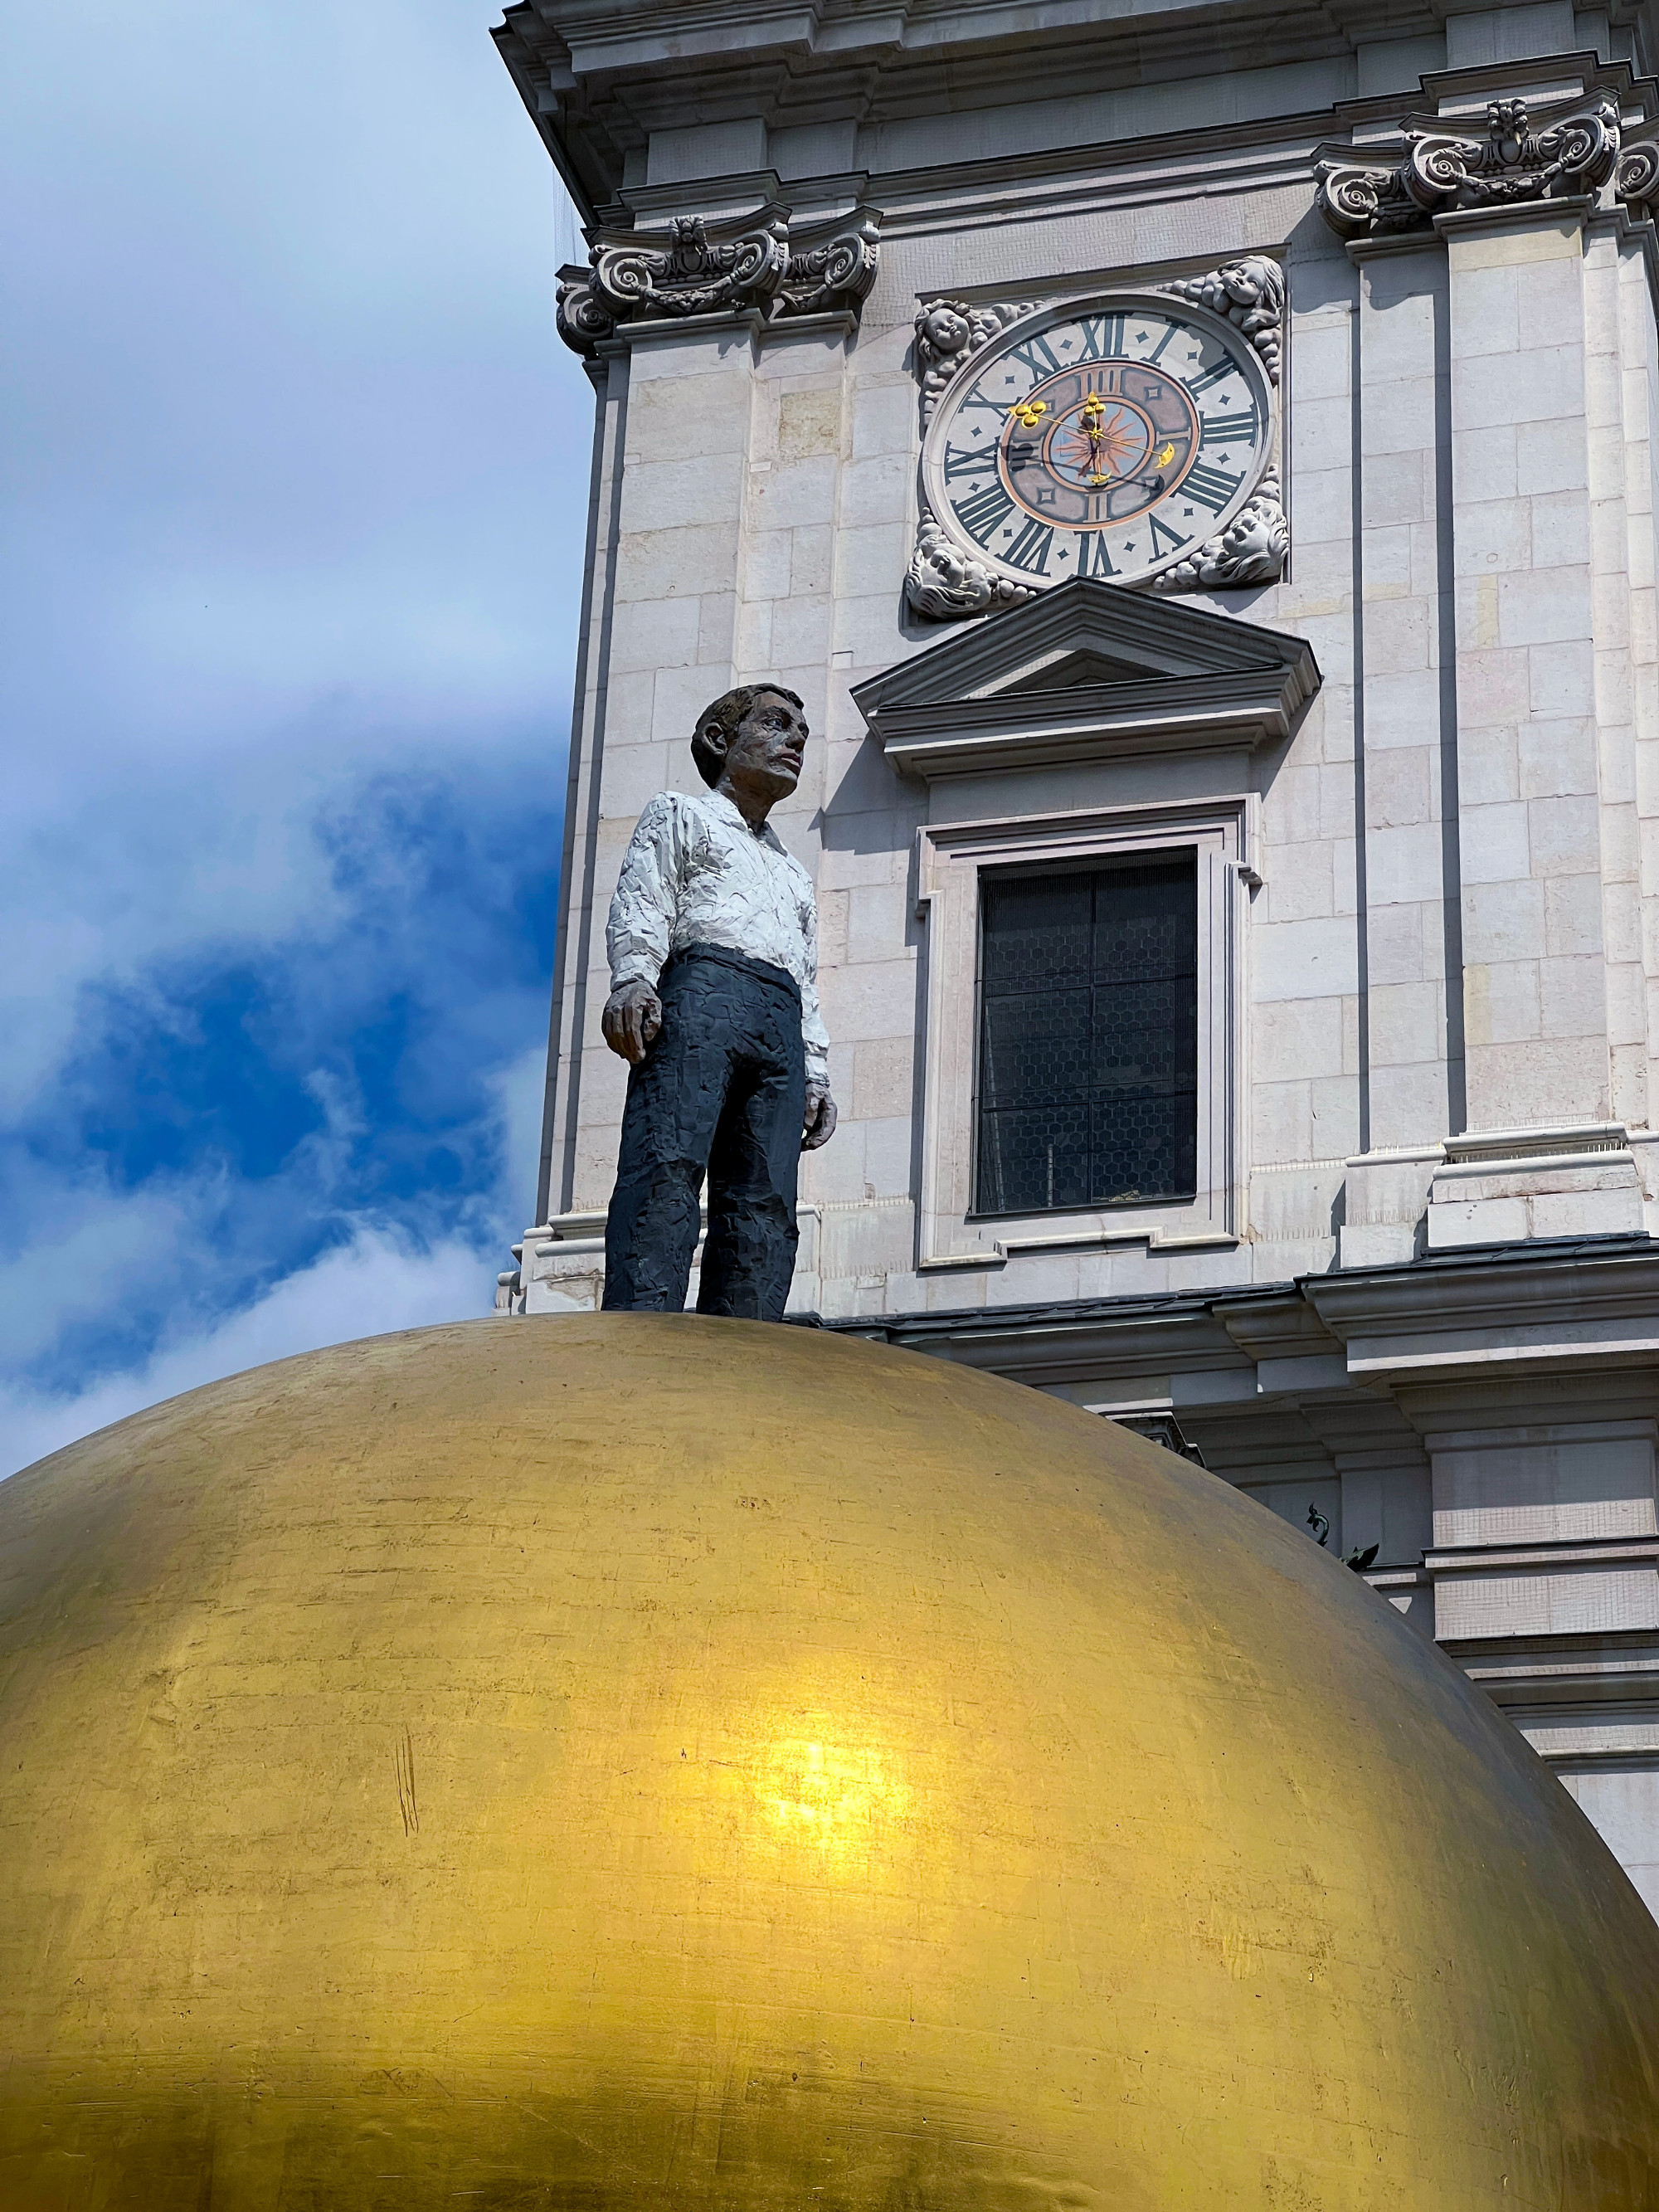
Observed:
{"x":712,"y":939}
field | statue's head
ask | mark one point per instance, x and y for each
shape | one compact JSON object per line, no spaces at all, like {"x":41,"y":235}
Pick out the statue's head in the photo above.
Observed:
{"x":755,"y":735}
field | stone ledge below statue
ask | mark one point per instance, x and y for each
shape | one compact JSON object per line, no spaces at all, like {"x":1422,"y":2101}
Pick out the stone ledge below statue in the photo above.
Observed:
{"x":562,"y":1265}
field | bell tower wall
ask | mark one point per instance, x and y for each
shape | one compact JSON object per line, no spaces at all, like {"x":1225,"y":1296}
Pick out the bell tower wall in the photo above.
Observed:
{"x":1390,"y":700}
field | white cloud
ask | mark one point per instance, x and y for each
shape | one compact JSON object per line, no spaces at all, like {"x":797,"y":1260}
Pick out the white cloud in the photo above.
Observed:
{"x":301,"y":465}
{"x":520,"y":1090}
{"x":380,"y":1281}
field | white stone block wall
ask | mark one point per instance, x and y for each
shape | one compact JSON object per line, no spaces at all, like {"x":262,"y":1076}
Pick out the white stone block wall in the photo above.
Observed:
{"x":1449,"y":974}
{"x":1470,"y":485}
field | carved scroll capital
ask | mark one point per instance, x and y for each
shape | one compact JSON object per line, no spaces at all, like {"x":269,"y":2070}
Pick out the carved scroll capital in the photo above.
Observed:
{"x":832,"y":268}
{"x":694,"y":274}
{"x":1638,"y":176}
{"x":758,"y":264}
{"x":582,"y":318}
{"x":1514,"y":164}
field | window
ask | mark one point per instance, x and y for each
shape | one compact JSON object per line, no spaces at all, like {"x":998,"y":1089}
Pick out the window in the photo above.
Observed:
{"x":1088,"y":1036}
{"x":1083,"y":1011}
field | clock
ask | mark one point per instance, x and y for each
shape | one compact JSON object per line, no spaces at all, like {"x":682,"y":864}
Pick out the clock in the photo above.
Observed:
{"x":1113,"y":439}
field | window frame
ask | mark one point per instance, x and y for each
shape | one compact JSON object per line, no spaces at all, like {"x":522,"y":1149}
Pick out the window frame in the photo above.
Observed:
{"x":1096,"y":864}
{"x":951,"y":860}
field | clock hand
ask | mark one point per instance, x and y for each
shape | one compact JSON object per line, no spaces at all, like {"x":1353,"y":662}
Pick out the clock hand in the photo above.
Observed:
{"x":1093,"y":416}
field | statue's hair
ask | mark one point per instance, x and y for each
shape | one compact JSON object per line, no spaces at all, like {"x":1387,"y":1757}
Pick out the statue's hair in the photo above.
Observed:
{"x":725,"y":714}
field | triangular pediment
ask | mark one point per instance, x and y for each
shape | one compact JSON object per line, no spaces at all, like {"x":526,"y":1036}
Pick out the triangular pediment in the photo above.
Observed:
{"x":1062,"y":672}
{"x":1088,"y":669}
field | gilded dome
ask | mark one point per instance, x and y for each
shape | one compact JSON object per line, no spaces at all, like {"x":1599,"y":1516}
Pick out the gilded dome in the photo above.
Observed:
{"x":640,"y":1761}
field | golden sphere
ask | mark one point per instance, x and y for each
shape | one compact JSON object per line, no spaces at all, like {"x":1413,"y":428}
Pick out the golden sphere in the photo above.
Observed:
{"x":643,"y":1762}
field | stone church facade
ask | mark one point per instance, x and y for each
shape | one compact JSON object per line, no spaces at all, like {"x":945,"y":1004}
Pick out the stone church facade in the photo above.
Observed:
{"x":1196,"y":465}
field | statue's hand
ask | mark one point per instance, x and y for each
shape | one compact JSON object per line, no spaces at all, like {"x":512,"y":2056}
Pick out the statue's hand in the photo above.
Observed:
{"x":632,"y":1017}
{"x":818,"y":1122}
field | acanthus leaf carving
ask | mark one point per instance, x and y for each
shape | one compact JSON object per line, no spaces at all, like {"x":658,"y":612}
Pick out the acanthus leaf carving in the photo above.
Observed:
{"x":1516,"y":163}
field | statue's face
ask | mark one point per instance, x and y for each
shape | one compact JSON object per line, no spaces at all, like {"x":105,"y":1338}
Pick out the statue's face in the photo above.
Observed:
{"x":767,"y":749}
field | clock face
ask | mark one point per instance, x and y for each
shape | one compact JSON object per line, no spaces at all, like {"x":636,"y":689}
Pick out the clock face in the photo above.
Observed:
{"x":1103,"y":440}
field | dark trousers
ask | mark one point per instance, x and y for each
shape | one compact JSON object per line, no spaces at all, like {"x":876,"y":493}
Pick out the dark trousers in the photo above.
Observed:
{"x":721,"y":1092}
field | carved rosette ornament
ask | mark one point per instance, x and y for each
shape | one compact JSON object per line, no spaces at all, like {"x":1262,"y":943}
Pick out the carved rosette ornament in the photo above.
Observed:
{"x":758,"y":265}
{"x":1129,"y":437}
{"x":1515,"y":162}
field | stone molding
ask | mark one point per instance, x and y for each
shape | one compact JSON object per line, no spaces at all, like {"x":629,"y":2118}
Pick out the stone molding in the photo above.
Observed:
{"x":757,"y":265}
{"x":1091,"y":672}
{"x":947,"y":580}
{"x":1571,"y":149}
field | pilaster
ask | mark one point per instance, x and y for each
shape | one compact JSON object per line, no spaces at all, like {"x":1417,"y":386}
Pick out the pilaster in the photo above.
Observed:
{"x":1414,"y":1048}
{"x":1535,"y":1010}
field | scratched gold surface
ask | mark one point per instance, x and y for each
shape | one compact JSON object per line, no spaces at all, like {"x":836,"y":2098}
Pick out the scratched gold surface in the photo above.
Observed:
{"x":635,"y":1761}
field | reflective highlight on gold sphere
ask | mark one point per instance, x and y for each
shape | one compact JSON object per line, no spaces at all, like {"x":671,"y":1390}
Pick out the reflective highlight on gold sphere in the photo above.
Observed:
{"x":639,"y":1761}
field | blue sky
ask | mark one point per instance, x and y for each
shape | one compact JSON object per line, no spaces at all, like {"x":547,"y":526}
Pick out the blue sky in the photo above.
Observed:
{"x":296,"y":478}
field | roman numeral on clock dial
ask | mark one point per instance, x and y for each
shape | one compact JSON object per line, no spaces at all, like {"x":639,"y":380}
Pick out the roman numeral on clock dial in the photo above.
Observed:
{"x":1092,"y":557}
{"x":1229,"y":430}
{"x":1030,"y":550}
{"x":1212,"y":488}
{"x":1100,"y":338}
{"x":1213,"y":374}
{"x":983,"y":511}
{"x":977,"y":461}
{"x":1038,"y":355}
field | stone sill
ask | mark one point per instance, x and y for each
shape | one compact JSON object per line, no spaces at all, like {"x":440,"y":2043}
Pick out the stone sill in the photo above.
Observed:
{"x":1564,"y":1551}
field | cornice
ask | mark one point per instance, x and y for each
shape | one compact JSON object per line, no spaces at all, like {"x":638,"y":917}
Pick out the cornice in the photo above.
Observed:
{"x":598,"y":81}
{"x":1538,"y":1309}
{"x":1193,"y":713}
{"x":1059,"y":186}
{"x":1483,"y":1317}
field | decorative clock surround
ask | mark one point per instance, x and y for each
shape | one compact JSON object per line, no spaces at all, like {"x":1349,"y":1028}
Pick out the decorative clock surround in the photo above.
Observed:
{"x":761,"y":264}
{"x":1128,"y":436}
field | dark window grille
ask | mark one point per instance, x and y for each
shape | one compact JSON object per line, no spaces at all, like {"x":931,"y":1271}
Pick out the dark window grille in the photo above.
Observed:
{"x":1088,"y":1038}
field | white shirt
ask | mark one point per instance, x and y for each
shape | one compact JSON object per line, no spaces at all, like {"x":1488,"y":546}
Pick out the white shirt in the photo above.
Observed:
{"x":696,"y":873}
